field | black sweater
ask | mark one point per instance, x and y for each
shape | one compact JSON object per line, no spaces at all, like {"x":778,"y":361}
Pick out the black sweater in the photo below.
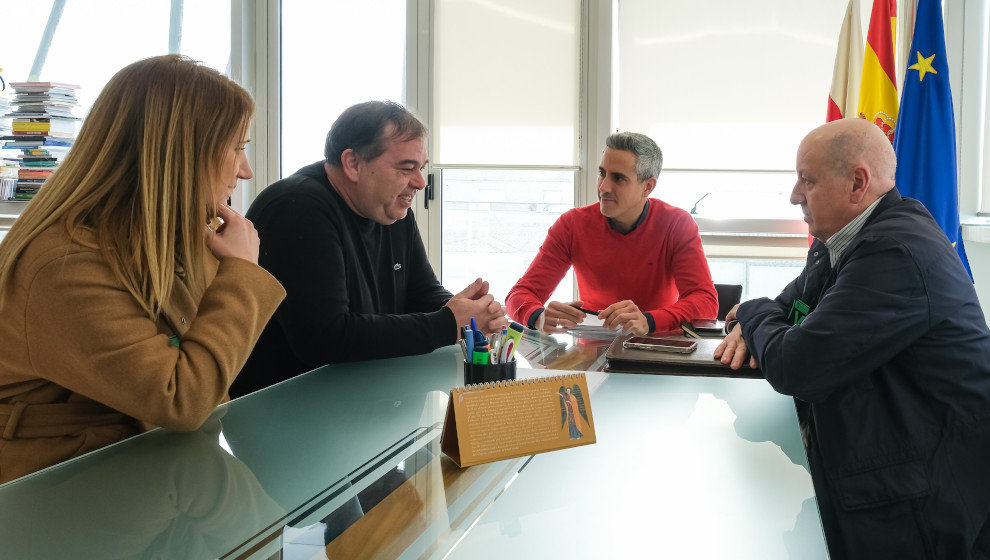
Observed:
{"x":356,"y":289}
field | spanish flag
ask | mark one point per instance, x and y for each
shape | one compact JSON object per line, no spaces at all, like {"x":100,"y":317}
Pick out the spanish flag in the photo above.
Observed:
{"x":843,"y":97}
{"x":878,"y":88}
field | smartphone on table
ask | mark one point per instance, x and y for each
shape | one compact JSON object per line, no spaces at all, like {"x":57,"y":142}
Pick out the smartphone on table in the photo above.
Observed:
{"x":708,"y":326}
{"x":680,"y":345}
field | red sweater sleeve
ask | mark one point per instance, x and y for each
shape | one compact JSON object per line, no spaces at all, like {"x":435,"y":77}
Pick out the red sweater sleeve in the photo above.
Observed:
{"x":697,"y":298}
{"x":543,"y":275}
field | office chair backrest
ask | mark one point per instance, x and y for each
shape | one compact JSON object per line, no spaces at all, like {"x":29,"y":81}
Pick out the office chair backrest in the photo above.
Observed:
{"x":728,"y":296}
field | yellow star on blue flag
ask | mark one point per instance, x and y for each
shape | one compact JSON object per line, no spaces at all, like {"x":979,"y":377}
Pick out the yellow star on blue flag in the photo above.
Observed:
{"x":925,"y":138}
{"x":923,"y":66}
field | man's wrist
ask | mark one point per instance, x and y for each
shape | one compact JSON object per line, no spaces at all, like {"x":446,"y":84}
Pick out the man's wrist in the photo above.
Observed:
{"x":731,"y":325}
{"x":534,"y":319}
{"x":651,"y":324}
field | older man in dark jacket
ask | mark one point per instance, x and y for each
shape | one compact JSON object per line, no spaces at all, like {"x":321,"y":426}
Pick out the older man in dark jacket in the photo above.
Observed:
{"x":883,"y":343}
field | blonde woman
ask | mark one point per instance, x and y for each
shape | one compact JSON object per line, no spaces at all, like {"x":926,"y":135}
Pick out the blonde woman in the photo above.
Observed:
{"x":120,"y":309}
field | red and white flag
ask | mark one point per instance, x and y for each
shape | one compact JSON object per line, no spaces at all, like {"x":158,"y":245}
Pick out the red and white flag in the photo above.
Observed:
{"x":907,"y":11}
{"x":843,"y":97}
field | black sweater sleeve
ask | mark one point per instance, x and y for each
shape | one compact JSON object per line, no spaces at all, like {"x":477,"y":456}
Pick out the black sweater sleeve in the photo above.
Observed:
{"x":304,"y":245}
{"x":424,"y":293}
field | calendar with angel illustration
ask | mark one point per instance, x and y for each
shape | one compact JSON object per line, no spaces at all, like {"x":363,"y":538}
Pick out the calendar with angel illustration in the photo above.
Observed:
{"x":500,"y":420}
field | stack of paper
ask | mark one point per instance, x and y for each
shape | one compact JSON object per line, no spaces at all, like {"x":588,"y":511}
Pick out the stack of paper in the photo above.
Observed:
{"x":5,"y":108}
{"x":8,"y":170}
{"x":43,"y":131}
{"x":593,"y":327}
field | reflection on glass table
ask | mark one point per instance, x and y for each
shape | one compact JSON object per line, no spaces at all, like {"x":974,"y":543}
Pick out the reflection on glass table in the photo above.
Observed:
{"x":344,"y":462}
{"x":162,"y":495}
{"x":568,"y":351}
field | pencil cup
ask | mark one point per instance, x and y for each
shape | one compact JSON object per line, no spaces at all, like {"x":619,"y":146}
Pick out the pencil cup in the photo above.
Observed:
{"x":481,"y":373}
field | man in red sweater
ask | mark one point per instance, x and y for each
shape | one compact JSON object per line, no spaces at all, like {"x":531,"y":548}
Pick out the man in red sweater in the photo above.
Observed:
{"x":638,"y":260}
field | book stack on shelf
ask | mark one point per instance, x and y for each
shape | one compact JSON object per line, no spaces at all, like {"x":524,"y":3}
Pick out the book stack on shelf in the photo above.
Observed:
{"x":8,"y":170}
{"x":43,"y":130}
{"x":4,"y":119}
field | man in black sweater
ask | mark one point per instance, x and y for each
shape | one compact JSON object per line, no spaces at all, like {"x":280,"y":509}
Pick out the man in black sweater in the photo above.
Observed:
{"x":339,"y":236}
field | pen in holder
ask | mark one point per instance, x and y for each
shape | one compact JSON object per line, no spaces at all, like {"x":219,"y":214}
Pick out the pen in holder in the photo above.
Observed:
{"x":489,"y":359}
{"x":481,"y":373}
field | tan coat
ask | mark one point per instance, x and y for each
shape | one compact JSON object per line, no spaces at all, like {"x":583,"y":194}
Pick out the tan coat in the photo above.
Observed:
{"x":82,"y":366}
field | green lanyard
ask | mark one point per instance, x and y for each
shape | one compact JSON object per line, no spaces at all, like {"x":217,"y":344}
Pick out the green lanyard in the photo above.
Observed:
{"x":799,"y":310}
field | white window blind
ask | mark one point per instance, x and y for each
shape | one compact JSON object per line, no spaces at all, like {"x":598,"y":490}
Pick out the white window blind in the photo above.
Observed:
{"x":732,"y":88}
{"x":335,"y":53}
{"x":506,"y":82}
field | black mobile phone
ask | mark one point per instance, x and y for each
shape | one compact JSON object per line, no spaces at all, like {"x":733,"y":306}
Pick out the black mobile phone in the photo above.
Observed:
{"x":708,"y":326}
{"x":679,"y":345}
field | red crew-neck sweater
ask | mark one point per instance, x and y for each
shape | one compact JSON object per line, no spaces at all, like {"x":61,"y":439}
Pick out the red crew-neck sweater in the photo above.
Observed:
{"x":659,"y":265}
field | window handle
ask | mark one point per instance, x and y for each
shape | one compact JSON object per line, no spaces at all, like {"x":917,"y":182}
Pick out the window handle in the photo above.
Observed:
{"x":428,"y":191}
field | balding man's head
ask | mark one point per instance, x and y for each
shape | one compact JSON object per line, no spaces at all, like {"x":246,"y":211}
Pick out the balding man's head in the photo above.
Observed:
{"x":851,"y":142}
{"x":843,"y":167}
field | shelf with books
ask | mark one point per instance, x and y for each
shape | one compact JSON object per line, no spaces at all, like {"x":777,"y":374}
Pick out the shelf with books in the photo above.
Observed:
{"x":43,"y":130}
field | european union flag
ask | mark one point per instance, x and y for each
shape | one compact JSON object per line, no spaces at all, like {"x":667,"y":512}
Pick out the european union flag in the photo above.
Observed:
{"x":925,"y":137}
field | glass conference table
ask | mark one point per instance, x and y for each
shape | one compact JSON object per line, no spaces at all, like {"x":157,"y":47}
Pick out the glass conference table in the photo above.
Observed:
{"x":345,"y":462}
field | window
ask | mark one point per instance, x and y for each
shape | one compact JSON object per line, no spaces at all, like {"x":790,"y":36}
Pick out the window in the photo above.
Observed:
{"x":758,"y":277}
{"x":506,"y":78}
{"x":985,"y":189}
{"x":494,"y":221}
{"x":327,"y":67}
{"x":984,"y":24}
{"x":120,"y":34}
{"x":86,"y":43}
{"x":506,"y":82}
{"x":728,"y":92}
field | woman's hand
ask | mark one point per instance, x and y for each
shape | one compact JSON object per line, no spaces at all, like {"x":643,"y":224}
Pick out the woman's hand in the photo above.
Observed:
{"x":236,"y":237}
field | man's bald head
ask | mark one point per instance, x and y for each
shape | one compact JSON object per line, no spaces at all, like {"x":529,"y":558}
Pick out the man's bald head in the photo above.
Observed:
{"x":843,"y":167}
{"x":847,"y":143}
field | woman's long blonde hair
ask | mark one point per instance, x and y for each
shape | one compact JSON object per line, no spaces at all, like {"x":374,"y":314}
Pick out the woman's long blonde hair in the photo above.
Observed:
{"x":141,"y":176}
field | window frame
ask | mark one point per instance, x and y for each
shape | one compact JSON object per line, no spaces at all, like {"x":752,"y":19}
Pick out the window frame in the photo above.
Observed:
{"x":593,"y":93}
{"x":968,"y":78}
{"x":255,"y":63}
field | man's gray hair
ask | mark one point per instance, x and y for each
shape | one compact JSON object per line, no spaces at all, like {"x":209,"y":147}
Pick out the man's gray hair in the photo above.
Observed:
{"x":649,"y":158}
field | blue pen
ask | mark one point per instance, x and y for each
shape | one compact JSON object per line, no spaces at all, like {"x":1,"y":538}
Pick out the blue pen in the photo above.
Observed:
{"x":479,"y":337}
{"x":468,"y":336}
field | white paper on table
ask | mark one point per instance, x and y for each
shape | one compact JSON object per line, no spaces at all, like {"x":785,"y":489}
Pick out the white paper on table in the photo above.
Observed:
{"x":594,"y":326}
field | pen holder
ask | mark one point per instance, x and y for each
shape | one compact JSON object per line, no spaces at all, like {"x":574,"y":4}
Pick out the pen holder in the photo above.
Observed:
{"x":481,"y":373}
